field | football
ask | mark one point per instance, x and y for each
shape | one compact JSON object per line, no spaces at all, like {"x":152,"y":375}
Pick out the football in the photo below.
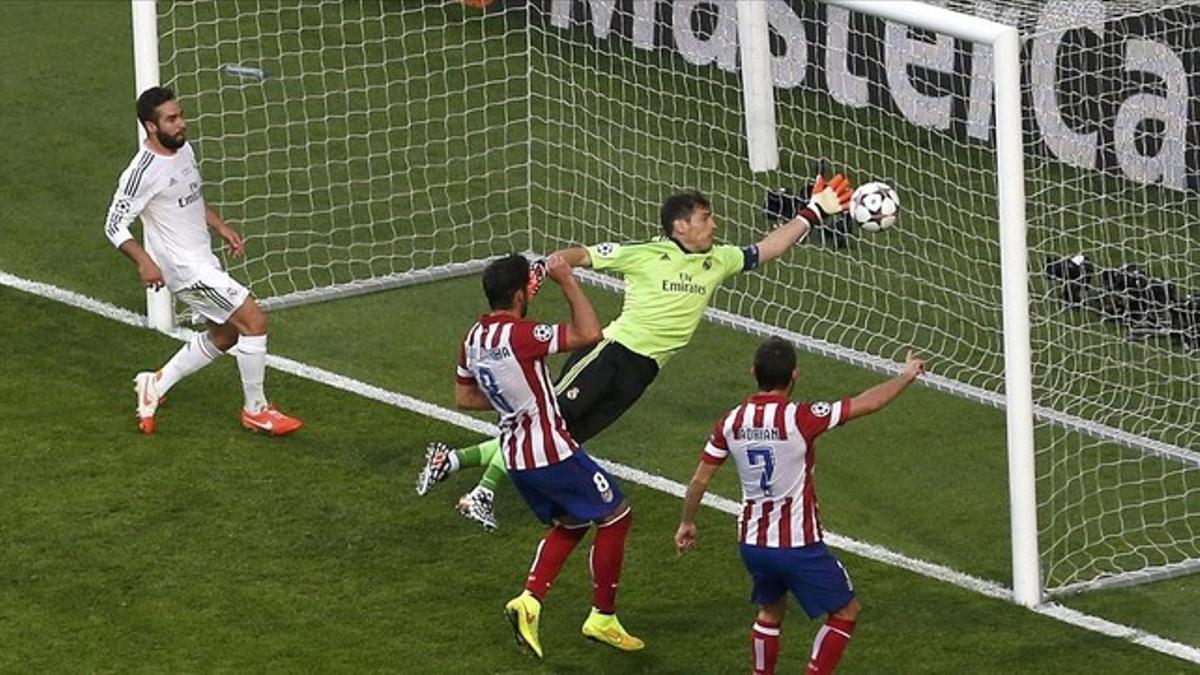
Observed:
{"x":874,"y":206}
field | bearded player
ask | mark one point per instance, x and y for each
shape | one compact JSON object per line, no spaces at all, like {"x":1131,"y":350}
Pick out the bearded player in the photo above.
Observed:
{"x":162,"y":184}
{"x":501,"y":366}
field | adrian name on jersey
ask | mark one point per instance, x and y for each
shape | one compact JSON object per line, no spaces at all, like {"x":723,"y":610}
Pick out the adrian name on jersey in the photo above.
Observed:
{"x":757,"y":434}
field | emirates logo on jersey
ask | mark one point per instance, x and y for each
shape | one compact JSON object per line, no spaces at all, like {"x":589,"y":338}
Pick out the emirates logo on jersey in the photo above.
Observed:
{"x":543,"y":332}
{"x":193,"y":196}
{"x":820,"y":409}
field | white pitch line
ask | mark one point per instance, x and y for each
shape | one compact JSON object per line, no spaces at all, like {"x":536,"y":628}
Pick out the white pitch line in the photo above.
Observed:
{"x":880,"y":554}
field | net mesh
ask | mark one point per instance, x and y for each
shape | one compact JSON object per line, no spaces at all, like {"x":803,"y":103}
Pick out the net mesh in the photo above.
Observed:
{"x":390,"y":137}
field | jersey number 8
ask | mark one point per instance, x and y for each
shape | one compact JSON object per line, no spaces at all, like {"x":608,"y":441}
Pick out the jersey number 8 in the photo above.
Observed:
{"x":487,"y":382}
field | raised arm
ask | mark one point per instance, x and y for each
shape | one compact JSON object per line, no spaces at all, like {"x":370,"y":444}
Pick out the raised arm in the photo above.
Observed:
{"x":576,"y":256}
{"x":584,"y":328}
{"x":878,"y":397}
{"x":786,"y":236}
{"x":828,"y":199}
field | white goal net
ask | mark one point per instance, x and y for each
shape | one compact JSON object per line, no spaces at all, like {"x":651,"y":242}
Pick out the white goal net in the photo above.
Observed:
{"x":354,"y":142}
{"x":391,"y":140}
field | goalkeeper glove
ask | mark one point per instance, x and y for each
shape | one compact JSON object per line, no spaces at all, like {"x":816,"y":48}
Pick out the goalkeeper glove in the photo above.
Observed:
{"x":537,"y":275}
{"x":829,"y":198}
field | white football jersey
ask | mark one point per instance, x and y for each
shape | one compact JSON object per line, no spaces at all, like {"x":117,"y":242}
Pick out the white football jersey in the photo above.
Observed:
{"x":772,"y":442}
{"x":506,"y":358}
{"x":166,"y":193}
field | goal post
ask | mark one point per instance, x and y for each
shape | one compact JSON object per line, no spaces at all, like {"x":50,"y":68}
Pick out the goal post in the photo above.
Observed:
{"x":160,"y":306}
{"x":758,"y":90}
{"x":974,"y":119}
{"x":1005,"y":45}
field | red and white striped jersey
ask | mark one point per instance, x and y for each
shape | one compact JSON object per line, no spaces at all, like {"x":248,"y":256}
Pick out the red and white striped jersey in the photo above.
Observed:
{"x":772,"y":441}
{"x":505,"y":357}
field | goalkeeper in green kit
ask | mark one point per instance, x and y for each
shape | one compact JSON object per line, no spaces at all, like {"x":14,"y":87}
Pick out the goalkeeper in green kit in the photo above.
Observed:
{"x":668,"y":284}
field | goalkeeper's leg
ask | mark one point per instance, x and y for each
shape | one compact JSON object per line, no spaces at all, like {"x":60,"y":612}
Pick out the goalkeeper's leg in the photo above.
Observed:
{"x":441,"y":461}
{"x":479,"y":503}
{"x":480,"y":454}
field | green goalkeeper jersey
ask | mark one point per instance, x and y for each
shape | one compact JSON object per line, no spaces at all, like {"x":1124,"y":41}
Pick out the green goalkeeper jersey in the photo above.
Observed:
{"x":667,"y":290}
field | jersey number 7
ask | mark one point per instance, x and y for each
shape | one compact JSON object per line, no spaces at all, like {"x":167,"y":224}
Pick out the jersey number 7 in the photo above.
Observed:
{"x":765,"y":457}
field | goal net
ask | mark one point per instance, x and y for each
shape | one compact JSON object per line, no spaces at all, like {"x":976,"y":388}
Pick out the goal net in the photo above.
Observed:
{"x":356,"y":143}
{"x":1116,"y":332}
{"x":392,"y":141}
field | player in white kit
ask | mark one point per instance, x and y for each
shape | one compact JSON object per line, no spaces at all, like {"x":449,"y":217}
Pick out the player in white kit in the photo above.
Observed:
{"x":772,"y":440}
{"x":162,"y":184}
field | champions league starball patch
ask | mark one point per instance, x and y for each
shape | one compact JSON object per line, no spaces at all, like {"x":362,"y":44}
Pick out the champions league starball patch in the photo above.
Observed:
{"x":543,"y":332}
{"x":606,"y":249}
{"x":821,"y":409}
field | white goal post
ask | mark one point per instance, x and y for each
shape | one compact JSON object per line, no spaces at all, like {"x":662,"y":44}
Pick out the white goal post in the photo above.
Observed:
{"x":1043,"y":257}
{"x":1010,"y":189}
{"x":1014,"y":261}
{"x":160,"y":310}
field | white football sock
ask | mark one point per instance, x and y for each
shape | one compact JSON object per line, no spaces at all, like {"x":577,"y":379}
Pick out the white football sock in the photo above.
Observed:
{"x":194,"y":355}
{"x":252,"y":364}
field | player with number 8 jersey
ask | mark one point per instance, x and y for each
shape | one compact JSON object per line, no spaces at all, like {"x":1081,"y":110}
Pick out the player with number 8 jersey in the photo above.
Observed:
{"x":501,"y":366}
{"x":504,"y":357}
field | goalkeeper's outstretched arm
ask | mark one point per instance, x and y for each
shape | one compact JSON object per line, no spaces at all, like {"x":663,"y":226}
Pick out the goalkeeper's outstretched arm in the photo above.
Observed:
{"x":828,"y":199}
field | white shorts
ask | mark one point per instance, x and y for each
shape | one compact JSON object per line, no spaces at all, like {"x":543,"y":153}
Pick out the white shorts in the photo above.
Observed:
{"x":214,"y":295}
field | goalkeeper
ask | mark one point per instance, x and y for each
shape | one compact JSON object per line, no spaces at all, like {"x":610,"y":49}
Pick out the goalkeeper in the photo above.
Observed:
{"x":668,"y":284}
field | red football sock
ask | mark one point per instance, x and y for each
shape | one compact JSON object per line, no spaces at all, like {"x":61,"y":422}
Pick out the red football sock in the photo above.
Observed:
{"x":607,"y":553}
{"x":764,"y":647}
{"x":552,"y":552}
{"x":831,"y":641}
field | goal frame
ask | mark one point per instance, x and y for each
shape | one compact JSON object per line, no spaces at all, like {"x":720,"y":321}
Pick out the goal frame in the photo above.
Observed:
{"x":1005,"y":44}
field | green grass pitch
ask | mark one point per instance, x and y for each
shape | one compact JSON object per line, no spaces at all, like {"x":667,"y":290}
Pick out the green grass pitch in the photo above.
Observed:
{"x":206,"y":548}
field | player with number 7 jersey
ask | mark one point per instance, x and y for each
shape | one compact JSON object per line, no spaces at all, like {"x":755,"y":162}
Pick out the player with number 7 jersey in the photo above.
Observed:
{"x":771,"y":439}
{"x":501,"y":365}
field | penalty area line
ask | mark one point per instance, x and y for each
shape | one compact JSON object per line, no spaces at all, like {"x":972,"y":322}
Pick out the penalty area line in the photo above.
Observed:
{"x":656,"y":482}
